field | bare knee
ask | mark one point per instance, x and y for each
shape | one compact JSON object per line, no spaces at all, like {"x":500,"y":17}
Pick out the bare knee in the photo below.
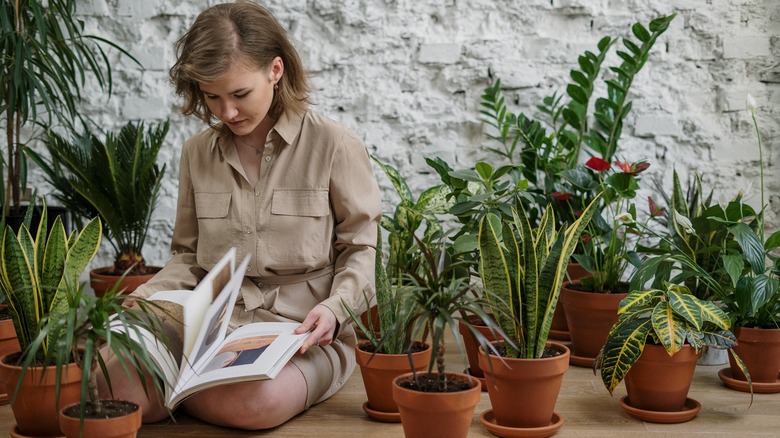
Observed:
{"x":241,"y":413}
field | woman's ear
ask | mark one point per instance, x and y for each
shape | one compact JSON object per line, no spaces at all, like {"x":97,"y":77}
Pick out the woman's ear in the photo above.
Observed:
{"x":277,"y":69}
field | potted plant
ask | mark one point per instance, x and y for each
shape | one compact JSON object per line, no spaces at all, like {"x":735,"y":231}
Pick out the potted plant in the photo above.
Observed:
{"x":117,"y":179}
{"x":87,"y":329}
{"x":46,"y":56}
{"x":522,"y":270}
{"x":390,"y":351}
{"x":549,"y":149}
{"x":661,"y":332}
{"x":36,"y":270}
{"x":439,"y":403}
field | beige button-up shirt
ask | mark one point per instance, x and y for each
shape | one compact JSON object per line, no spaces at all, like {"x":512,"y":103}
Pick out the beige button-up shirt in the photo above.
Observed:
{"x":311,"y":218}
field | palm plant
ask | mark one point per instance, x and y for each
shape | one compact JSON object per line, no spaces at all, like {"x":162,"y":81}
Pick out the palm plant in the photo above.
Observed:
{"x":45,"y":57}
{"x":118,"y":179}
{"x":522,"y":272}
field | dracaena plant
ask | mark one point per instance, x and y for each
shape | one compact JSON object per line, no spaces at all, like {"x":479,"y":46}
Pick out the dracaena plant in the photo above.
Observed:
{"x":443,"y":297}
{"x":117,"y":179}
{"x":522,"y":270}
{"x":671,"y":317}
{"x":36,"y":271}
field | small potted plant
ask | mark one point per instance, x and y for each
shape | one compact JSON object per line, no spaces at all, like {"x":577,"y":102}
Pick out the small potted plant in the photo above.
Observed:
{"x":36,"y":269}
{"x":117,"y":179}
{"x":85,"y":329}
{"x":390,"y":351}
{"x":654,"y":346}
{"x":440,"y":403}
{"x":522,"y":270}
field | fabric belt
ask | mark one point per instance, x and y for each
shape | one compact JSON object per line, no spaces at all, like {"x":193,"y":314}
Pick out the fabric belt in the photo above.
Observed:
{"x":294,"y":278}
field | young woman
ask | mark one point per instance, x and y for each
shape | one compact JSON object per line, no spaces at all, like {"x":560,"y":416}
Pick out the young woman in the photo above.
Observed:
{"x":277,"y":181}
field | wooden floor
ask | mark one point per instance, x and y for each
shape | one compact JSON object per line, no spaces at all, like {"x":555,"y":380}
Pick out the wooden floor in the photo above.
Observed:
{"x":587,"y":408}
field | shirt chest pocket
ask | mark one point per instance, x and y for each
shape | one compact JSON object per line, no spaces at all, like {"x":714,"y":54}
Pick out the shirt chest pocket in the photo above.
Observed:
{"x":215,"y":229}
{"x":300,"y":225}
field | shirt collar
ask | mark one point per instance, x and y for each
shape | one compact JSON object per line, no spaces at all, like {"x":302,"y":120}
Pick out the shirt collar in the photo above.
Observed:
{"x":288,"y":126}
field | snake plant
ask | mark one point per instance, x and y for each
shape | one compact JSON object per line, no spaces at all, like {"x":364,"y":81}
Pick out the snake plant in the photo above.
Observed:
{"x":36,"y":272}
{"x":522,"y":272}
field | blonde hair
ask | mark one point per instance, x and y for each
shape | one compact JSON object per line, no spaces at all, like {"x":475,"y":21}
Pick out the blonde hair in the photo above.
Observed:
{"x":236,"y":32}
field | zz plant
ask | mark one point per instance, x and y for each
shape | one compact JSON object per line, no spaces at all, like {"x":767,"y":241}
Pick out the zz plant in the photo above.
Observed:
{"x":670,"y":317}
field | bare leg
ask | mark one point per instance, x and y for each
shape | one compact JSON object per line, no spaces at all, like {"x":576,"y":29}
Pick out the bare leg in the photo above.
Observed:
{"x":252,"y":405}
{"x":128,"y":386}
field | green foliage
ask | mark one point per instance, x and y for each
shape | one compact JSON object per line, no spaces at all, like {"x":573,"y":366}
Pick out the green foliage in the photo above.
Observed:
{"x":36,"y":271}
{"x":443,"y":297}
{"x":394,"y":310}
{"x":670,"y":317}
{"x":408,"y":217}
{"x":91,"y":323}
{"x":118,"y":179}
{"x":45,"y":58}
{"x":522,"y":271}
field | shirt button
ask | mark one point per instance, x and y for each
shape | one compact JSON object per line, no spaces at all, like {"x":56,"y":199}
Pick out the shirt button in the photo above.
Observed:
{"x":259,"y":284}
{"x":257,"y":193}
{"x":267,"y":158}
{"x":248,"y":230}
{"x":249,"y":268}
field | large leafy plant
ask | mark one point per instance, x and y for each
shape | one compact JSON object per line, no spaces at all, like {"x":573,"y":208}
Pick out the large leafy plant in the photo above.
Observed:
{"x":522,"y":270}
{"x":45,"y":58}
{"x":670,"y":317}
{"x":544,"y":154}
{"x":118,"y":179}
{"x":36,"y":272}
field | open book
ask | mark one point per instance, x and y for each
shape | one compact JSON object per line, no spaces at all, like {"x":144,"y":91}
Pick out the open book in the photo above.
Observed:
{"x":200,"y":353}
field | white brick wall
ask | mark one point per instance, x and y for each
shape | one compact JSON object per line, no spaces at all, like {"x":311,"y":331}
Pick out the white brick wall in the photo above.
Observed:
{"x":407,"y":76}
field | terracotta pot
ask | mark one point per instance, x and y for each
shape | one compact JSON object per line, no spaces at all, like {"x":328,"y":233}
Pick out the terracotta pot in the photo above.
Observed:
{"x":471,"y":344}
{"x":428,"y":414}
{"x":759,"y":349}
{"x":101,"y":282}
{"x":560,"y":328}
{"x":35,"y":408}
{"x":379,"y":370}
{"x":118,"y":427}
{"x":590,"y":316}
{"x":8,"y":344}
{"x":523,"y":392}
{"x":659,"y":382}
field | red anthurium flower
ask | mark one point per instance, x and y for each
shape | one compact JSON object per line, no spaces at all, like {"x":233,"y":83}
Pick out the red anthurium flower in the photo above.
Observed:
{"x":655,"y":209}
{"x":586,"y":238}
{"x":597,"y":164}
{"x":632,"y":169}
{"x":561,"y":196}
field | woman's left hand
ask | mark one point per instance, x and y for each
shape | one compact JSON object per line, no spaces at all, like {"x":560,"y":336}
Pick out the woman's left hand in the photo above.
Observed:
{"x":322,"y":324}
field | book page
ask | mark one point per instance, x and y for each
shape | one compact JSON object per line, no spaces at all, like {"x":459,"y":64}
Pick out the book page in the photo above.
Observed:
{"x":255,"y":351}
{"x":215,"y":322}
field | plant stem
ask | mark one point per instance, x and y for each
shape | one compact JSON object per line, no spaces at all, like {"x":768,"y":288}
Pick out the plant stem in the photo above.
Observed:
{"x":761,"y":170}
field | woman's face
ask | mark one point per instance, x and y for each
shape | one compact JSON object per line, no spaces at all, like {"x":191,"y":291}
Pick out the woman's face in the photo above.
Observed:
{"x":241,"y":98}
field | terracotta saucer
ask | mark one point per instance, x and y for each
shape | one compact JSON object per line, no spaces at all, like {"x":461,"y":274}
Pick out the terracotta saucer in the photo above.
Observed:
{"x":580,"y":361}
{"x":690,"y":409}
{"x":385,"y":417}
{"x":4,"y":399}
{"x":559,"y":335}
{"x":15,"y":433}
{"x":481,"y":379}
{"x":489,"y":422}
{"x":742,"y":385}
